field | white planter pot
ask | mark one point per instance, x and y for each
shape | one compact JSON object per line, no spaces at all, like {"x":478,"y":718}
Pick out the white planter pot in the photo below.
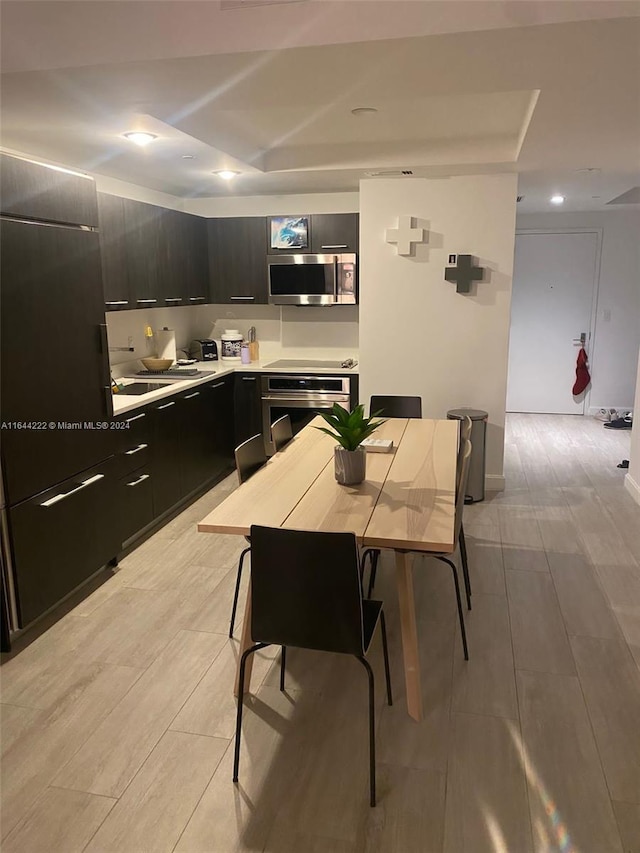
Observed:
{"x":350,"y":465}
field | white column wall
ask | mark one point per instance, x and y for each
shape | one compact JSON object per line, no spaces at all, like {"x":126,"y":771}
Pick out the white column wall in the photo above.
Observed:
{"x":417,"y":335}
{"x":632,"y":478}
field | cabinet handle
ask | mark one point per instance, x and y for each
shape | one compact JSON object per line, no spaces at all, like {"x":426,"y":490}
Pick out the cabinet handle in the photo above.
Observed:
{"x":173,"y":299}
{"x":145,"y":301}
{"x":166,"y":405}
{"x":135,"y":449}
{"x":135,"y":418}
{"x":191,"y":396}
{"x":337,"y":246}
{"x":196,"y":298}
{"x":140,"y":479}
{"x":63,"y":495}
{"x":243,"y":297}
{"x":118,"y":302}
{"x":217,"y":385}
{"x":248,"y":378}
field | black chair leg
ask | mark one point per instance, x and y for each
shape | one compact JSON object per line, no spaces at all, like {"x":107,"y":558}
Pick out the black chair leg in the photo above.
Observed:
{"x":372,"y":732}
{"x":283,"y":663}
{"x":460,"y":613}
{"x":236,"y":593}
{"x":465,"y":566}
{"x":368,"y":552}
{"x":243,"y":664}
{"x":374,"y":569}
{"x":385,"y":652}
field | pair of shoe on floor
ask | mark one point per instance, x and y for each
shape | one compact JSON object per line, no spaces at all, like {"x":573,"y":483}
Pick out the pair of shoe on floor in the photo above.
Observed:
{"x":625,"y":422}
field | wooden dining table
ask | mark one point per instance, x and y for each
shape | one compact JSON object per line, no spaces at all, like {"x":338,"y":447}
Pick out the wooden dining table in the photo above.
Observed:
{"x":406,"y":503}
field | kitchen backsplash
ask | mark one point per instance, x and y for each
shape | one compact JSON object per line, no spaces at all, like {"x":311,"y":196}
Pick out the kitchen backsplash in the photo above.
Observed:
{"x":298,"y":331}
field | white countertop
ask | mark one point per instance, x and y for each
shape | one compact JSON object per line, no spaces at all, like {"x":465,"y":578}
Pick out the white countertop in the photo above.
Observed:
{"x":215,"y":369}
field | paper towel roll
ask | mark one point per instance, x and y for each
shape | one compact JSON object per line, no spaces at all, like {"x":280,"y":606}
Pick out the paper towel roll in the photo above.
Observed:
{"x":166,"y":343}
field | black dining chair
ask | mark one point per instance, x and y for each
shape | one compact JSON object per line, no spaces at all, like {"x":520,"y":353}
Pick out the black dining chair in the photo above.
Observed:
{"x":445,"y":556}
{"x":465,"y":436}
{"x":387,"y":406}
{"x":396,"y":406}
{"x":250,"y":457}
{"x":305,"y":593}
{"x":281,"y":432}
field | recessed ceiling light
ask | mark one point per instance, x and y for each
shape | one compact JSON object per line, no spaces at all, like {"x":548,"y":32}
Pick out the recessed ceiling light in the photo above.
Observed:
{"x":226,"y":174}
{"x":188,"y":156}
{"x":140,"y":137}
{"x":363,"y":111}
{"x":557,"y":199}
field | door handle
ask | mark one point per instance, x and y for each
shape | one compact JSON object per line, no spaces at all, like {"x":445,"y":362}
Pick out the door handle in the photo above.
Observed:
{"x":140,"y":479}
{"x":63,"y":495}
{"x":135,"y":450}
{"x":135,"y":418}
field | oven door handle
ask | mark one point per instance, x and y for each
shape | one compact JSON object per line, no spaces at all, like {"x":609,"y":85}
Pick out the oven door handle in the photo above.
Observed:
{"x":325,"y":398}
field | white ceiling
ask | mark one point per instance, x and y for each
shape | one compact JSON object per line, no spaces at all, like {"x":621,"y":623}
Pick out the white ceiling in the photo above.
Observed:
{"x":548,"y":89}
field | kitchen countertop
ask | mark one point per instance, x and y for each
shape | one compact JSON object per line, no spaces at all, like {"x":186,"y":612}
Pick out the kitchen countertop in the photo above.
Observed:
{"x":216,"y":369}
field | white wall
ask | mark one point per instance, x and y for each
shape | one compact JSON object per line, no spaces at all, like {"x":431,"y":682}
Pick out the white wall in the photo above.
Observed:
{"x":113,"y":186}
{"x":632,"y":478}
{"x":287,"y":332}
{"x":274,"y":205}
{"x":417,"y":335}
{"x":616,"y":334}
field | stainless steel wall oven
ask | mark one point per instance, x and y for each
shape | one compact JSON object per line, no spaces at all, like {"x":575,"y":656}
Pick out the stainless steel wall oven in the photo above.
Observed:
{"x":302,"y":397}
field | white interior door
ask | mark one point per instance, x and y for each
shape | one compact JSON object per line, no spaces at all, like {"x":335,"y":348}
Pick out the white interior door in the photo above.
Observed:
{"x":553,"y":292}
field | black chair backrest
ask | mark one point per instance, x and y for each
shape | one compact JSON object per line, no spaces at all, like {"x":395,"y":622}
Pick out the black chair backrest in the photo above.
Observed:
{"x":281,"y":432}
{"x":396,"y":407}
{"x":250,"y":456}
{"x":465,"y":435}
{"x":462,"y":477}
{"x":305,"y":590}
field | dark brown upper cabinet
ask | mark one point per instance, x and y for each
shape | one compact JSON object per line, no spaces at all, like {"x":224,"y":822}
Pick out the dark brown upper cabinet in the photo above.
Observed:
{"x":115,"y":275}
{"x":153,"y":257}
{"x":184,"y":276}
{"x":335,"y":232}
{"x":36,"y":191}
{"x":145,"y":253}
{"x":238,"y":260}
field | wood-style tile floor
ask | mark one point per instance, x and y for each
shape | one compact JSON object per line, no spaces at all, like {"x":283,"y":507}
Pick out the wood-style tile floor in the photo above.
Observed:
{"x":117,"y":723}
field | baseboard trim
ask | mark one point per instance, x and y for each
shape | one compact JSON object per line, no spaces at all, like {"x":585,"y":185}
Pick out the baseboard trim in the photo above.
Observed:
{"x":632,"y":487}
{"x":494,"y":482}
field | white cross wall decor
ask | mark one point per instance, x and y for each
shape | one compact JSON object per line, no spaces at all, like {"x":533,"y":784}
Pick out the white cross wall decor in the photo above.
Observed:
{"x":405,"y":234}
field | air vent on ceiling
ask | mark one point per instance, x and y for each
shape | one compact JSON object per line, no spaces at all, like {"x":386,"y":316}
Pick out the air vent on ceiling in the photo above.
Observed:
{"x":228,"y":5}
{"x":519,"y":198}
{"x":631,"y":196}
{"x":389,"y":173}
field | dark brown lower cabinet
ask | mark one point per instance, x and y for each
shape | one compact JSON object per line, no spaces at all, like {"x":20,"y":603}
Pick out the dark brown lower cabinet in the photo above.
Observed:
{"x":247,"y":408}
{"x":135,"y":502}
{"x":165,"y":454}
{"x":62,"y":536}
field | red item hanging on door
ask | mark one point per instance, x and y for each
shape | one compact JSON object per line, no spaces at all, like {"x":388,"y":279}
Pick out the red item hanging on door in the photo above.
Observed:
{"x":583,"y":377}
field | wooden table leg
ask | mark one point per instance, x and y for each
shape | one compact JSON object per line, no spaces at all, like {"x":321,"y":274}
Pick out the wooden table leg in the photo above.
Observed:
{"x":245,"y":643}
{"x":404,"y":581}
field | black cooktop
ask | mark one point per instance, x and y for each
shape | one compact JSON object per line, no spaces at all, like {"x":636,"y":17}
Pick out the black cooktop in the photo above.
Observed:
{"x":136,"y":388}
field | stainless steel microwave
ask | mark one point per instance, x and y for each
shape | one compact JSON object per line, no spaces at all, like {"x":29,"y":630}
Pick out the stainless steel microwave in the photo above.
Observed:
{"x":313,"y":280}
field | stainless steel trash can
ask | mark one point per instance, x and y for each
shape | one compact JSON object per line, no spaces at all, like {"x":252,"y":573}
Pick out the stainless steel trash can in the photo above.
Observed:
{"x":475,"y":484}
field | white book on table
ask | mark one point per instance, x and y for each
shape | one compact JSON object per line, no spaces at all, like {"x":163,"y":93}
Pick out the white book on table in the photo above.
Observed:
{"x":378,"y":445}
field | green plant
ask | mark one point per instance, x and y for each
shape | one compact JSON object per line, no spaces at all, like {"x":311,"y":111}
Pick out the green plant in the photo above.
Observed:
{"x":349,"y":428}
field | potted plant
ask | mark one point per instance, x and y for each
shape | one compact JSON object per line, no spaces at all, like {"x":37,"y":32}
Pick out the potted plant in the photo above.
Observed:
{"x":349,"y":429}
